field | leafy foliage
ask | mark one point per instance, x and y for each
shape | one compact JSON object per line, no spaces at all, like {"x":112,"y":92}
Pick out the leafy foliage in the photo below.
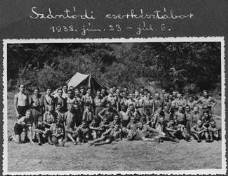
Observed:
{"x":184,"y":66}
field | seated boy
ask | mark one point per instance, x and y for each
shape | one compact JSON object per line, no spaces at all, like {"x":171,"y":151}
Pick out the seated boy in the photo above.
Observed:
{"x":111,"y":134}
{"x":134,"y":129}
{"x":182,"y":133}
{"x":209,"y":124}
{"x":198,"y":130}
{"x":42,"y":133}
{"x":151,"y":134}
{"x":180,"y":122}
{"x":49,"y":120}
{"x":23,"y":124}
{"x":57,"y":134}
{"x":84,"y":132}
{"x":95,"y":128}
{"x":99,"y":129}
{"x":170,"y":132}
{"x":215,"y":131}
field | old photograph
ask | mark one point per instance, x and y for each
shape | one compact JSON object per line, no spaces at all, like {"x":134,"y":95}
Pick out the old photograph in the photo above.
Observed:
{"x":139,"y":106}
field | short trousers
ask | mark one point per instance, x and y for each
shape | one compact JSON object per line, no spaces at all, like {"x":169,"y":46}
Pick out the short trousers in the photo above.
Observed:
{"x":18,"y":129}
{"x":22,"y":110}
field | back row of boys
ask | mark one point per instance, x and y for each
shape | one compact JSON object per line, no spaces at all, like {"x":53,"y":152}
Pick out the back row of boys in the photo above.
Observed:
{"x":117,"y":99}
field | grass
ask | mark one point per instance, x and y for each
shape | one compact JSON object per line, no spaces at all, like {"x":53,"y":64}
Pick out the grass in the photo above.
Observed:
{"x":124,"y":155}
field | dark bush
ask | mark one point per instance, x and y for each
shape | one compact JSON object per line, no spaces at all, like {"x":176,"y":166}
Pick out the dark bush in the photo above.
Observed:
{"x":170,"y":65}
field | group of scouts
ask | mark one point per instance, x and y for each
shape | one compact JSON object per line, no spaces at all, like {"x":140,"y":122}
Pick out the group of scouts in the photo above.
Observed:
{"x":80,"y":116}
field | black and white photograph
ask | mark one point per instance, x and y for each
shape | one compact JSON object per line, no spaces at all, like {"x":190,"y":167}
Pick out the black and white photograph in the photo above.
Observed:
{"x":139,"y":106}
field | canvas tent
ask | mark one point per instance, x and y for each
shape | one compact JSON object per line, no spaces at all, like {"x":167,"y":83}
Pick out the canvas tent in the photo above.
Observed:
{"x":84,"y":80}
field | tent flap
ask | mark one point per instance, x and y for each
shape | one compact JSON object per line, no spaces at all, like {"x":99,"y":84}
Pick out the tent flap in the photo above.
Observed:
{"x":77,"y":79}
{"x":85,"y":80}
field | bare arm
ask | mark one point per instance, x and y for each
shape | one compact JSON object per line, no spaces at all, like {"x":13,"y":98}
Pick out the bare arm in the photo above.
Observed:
{"x":44,"y":101}
{"x":153,"y":107}
{"x":95,"y":128}
{"x":16,"y":104}
{"x":84,"y":115}
{"x":100,"y":114}
{"x":30,"y":101}
{"x":213,"y":102}
{"x":170,"y":129}
{"x":193,"y":130}
{"x":107,"y":131}
{"x":21,"y":121}
{"x":202,"y":130}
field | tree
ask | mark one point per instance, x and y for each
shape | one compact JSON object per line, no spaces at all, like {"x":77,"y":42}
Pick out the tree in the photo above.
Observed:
{"x":170,"y":65}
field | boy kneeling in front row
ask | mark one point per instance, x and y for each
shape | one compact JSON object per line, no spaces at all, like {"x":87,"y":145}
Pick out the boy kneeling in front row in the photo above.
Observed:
{"x":24,"y":124}
{"x":211,"y":133}
{"x":198,"y":130}
{"x":58,"y":136}
{"x":43,"y":131}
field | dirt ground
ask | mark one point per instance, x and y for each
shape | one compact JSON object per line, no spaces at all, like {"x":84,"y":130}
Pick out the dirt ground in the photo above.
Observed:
{"x":124,"y":155}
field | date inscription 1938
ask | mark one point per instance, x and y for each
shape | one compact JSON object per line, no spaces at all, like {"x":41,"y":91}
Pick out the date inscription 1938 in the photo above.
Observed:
{"x":83,"y":22}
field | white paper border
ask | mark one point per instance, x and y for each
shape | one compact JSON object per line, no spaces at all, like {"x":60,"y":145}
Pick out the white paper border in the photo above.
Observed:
{"x":119,"y":40}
